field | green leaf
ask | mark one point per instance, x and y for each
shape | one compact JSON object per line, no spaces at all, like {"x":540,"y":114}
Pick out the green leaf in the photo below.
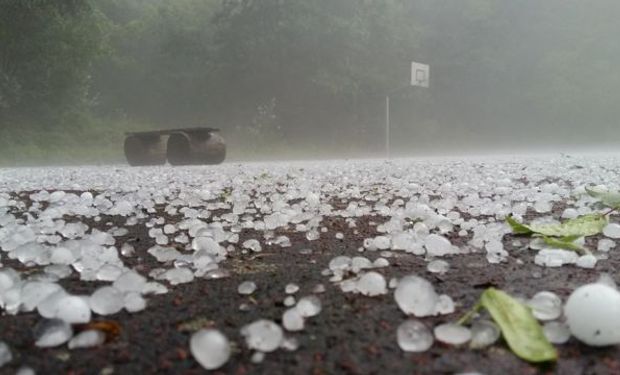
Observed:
{"x":520,"y":329}
{"x":518,"y":228}
{"x":586,"y":225}
{"x":609,"y":199}
{"x":564,"y":243}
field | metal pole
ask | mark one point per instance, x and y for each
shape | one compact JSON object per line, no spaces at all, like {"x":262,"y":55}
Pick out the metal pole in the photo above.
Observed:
{"x":387,"y":126}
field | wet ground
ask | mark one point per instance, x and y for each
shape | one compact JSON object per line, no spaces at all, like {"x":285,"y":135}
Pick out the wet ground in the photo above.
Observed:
{"x":352,"y":335}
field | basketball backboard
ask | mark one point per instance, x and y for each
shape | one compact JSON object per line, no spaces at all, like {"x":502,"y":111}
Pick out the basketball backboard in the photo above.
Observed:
{"x":420,"y":74}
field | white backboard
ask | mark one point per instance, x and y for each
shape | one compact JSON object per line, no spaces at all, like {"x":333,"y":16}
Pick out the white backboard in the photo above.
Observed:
{"x":420,"y":74}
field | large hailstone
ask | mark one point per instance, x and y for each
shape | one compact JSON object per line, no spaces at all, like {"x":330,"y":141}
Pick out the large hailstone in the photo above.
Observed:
{"x":416,"y":296}
{"x":592,"y":313}
{"x":210,"y":348}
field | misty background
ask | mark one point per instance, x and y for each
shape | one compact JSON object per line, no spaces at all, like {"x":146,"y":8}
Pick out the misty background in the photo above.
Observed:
{"x":304,"y":79}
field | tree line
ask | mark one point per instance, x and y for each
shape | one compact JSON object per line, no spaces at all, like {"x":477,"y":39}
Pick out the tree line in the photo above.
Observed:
{"x":306,"y":74}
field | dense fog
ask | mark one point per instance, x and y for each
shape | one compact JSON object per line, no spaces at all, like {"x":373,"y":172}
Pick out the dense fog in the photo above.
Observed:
{"x":308,"y":79}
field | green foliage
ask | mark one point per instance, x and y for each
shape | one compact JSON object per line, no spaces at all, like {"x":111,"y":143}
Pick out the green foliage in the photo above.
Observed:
{"x":520,"y":329}
{"x":609,"y":199}
{"x":586,"y":225}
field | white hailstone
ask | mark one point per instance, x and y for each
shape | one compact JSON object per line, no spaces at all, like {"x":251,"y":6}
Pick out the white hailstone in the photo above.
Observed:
{"x":438,"y":266}
{"x":339,"y":236}
{"x":393,"y":283}
{"x":359,"y":263}
{"x":586,"y":261}
{"x":290,"y":344}
{"x":209,"y":245}
{"x":570,"y":213}
{"x":51,"y":333}
{"x":605,"y":244}
{"x":292,"y":320}
{"x":416,"y":296}
{"x":176,"y":276}
{"x":87,"y":339}
{"x":252,"y":245}
{"x":452,"y":334}
{"x":437,"y":245}
{"x":127,"y":250}
{"x":106,"y":300}
{"x":612,"y":230}
{"x":348,"y":286}
{"x":5,"y":354}
{"x":257,"y":357}
{"x":169,"y":229}
{"x":109,"y":272}
{"x":546,"y":306}
{"x":33,"y":292}
{"x":318,"y":289}
{"x":134,"y":302}
{"x":555,"y":257}
{"x":445,"y":305}
{"x":313,"y":235}
{"x":263,"y":335}
{"x":592,"y":312}
{"x":380,"y":263}
{"x":340,"y":263}
{"x":289,"y":301}
{"x":48,"y":307}
{"x":371,"y":284}
{"x":210,"y":348}
{"x":154,"y":287}
{"x":556,"y":332}
{"x":495,"y":252}
{"x":291,"y":288}
{"x":246,"y":288}
{"x":61,"y":255}
{"x":130,"y":281}
{"x":73,"y":309}
{"x":309,"y":306}
{"x":542,"y":206}
{"x":164,"y":254}
{"x":414,"y":336}
{"x":217,"y":274}
{"x":484,"y":333}
{"x":382,"y":242}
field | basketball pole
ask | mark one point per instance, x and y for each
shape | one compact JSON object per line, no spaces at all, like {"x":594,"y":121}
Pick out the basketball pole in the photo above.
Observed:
{"x":387,"y":126}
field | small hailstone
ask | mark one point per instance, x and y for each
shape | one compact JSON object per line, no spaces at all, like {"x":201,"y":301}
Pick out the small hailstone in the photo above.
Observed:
{"x":289,"y":301}
{"x":210,"y":348}
{"x":292,"y":320}
{"x":73,"y":309}
{"x":263,"y":335}
{"x":127,"y":250}
{"x":451,"y":333}
{"x":605,"y":244}
{"x":438,"y":266}
{"x":483,"y":333}
{"x":5,"y":354}
{"x":291,"y":288}
{"x":380,"y":263}
{"x":382,"y":242}
{"x":309,"y":306}
{"x":130,"y":281}
{"x":586,"y":261}
{"x":414,"y":336}
{"x":555,"y":257}
{"x":48,"y":307}
{"x":393,"y":283}
{"x":181,"y":275}
{"x":53,"y":332}
{"x":612,"y":230}
{"x":257,"y":357}
{"x":556,"y":332}
{"x":372,"y":284}
{"x":546,"y":306}
{"x":87,"y":339}
{"x":109,"y":272}
{"x":592,"y":312}
{"x":445,"y":305}
{"x":416,"y":296}
{"x":437,"y":245}
{"x":340,"y":263}
{"x":318,"y":289}
{"x":246,"y":288}
{"x":252,"y":245}
{"x":290,"y":344}
{"x":339,"y":235}
{"x":360,"y":263}
{"x":134,"y":302}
